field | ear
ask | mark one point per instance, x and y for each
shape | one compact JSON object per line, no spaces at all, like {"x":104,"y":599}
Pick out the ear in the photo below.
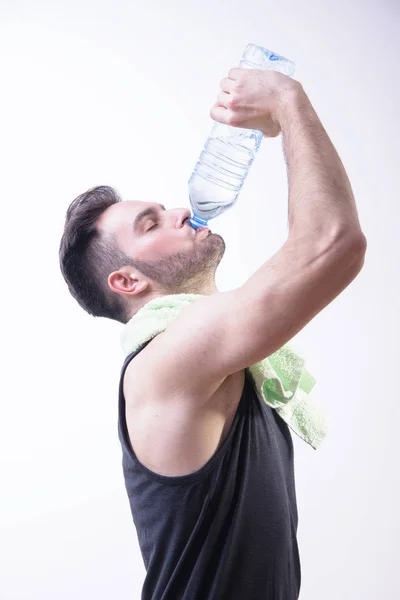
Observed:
{"x":123,"y":282}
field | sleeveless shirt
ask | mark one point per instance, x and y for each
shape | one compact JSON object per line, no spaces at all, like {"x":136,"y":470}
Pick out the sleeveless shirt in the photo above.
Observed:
{"x":228,"y":530}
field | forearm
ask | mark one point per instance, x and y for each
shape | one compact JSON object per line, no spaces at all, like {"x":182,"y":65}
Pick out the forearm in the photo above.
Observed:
{"x":321,"y":200}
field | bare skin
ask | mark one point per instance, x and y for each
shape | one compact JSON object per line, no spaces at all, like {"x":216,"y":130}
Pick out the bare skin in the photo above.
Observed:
{"x":179,"y":440}
{"x":183,"y":389}
{"x":174,"y":258}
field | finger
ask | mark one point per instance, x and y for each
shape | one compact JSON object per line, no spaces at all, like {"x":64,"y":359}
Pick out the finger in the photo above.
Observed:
{"x":227,"y":84}
{"x":223,"y":99}
{"x":219,"y":113}
{"x":235,"y":73}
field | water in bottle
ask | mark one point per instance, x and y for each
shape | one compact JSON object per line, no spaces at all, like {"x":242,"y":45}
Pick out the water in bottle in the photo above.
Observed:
{"x":229,"y":151}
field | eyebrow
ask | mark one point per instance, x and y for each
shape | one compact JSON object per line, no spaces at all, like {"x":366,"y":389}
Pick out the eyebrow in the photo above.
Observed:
{"x":147,"y":212}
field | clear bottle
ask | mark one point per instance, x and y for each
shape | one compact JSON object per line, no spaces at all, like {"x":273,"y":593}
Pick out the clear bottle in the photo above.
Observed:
{"x":229,"y":151}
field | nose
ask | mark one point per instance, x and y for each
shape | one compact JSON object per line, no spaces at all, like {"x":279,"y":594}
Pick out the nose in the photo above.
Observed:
{"x":183,"y":215}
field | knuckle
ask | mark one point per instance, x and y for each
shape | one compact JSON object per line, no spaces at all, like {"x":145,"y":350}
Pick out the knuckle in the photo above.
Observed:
{"x":233,"y":101}
{"x":239,"y":83}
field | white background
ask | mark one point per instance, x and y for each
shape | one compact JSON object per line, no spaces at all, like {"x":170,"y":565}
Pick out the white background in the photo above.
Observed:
{"x":119,"y":93}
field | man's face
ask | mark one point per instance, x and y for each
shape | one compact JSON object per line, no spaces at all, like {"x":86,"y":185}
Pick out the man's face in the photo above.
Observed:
{"x":162,"y":244}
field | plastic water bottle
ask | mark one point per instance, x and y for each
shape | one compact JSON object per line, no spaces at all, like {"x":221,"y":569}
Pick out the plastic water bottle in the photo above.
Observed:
{"x":229,"y":151}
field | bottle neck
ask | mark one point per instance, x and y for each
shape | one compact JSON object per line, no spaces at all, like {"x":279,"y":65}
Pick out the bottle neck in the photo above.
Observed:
{"x":196,"y":222}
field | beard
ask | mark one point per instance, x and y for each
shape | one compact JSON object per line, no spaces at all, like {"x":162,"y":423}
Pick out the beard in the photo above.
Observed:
{"x":185,"y":272}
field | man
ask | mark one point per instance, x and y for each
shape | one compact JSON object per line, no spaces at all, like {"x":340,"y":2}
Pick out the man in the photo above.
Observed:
{"x":208,"y":466}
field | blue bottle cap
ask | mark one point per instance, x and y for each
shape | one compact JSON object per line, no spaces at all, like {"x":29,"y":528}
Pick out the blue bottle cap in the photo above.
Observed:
{"x":196,"y":222}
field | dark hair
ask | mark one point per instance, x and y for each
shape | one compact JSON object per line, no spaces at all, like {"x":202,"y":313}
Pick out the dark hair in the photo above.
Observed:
{"x":88,"y":256}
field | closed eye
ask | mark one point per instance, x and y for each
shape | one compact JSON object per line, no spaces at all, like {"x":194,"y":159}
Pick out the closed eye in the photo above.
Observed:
{"x":151,"y":211}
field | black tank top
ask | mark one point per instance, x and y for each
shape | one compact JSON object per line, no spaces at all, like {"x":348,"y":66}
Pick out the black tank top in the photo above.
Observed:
{"x":227,"y":531}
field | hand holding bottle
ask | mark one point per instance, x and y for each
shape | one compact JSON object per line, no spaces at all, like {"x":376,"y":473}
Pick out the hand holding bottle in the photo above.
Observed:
{"x":250,"y":100}
{"x":253,"y":99}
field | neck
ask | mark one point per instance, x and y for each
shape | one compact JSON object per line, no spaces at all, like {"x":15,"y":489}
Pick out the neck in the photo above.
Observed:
{"x":204,"y":289}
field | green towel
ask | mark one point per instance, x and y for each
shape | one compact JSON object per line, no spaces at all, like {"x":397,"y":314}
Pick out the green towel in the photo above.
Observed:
{"x":281,"y":379}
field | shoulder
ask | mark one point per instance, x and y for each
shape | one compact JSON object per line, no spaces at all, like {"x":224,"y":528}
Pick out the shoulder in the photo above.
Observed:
{"x":143,"y":384}
{"x":175,"y":436}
